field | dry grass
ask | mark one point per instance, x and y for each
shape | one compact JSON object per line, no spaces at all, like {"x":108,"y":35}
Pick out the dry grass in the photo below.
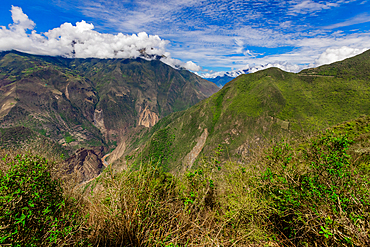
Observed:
{"x":152,"y":208}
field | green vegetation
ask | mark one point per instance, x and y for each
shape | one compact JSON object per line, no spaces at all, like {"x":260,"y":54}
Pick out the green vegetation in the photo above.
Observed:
{"x":219,"y":98}
{"x":33,"y":209}
{"x":312,"y":191}
{"x":318,"y":192}
{"x":68,"y":137}
{"x":161,"y":148}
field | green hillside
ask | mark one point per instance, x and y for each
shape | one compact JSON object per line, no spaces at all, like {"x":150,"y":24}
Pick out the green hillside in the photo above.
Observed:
{"x":253,"y":108}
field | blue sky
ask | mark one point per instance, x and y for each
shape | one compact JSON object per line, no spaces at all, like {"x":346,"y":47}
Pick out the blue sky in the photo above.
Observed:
{"x":214,"y":35}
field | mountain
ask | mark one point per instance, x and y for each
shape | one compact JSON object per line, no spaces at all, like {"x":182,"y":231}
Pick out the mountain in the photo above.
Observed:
{"x":92,"y":102}
{"x":220,"y":81}
{"x":221,"y":78}
{"x":254,"y":108}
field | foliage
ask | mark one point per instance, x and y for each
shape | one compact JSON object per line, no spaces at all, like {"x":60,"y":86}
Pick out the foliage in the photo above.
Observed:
{"x":32,"y":205}
{"x":161,"y":148}
{"x":317,"y":192}
{"x":68,"y":138}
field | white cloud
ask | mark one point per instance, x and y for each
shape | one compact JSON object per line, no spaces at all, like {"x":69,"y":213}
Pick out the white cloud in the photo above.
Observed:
{"x":214,"y":74}
{"x":175,"y":63}
{"x":333,"y":55}
{"x":281,"y":65}
{"x":310,"y":6}
{"x":21,"y":20}
{"x":362,"y":18}
{"x":82,"y":41}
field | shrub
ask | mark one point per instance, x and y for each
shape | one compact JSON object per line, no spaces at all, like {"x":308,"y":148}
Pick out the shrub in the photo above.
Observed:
{"x":33,"y":210}
{"x":317,"y":195}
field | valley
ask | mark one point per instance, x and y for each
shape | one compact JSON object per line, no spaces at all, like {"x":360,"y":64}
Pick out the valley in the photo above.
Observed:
{"x":92,"y":103}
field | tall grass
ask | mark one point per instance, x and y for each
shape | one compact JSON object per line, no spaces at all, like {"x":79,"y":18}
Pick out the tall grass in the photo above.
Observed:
{"x":307,"y":192}
{"x":149,"y":207}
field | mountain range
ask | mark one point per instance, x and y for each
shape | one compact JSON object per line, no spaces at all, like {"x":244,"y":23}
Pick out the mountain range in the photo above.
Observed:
{"x":139,"y":109}
{"x":90,"y":102}
{"x":221,"y":78}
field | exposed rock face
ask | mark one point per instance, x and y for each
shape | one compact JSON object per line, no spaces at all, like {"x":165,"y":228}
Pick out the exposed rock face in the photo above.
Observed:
{"x":99,"y":121}
{"x":190,"y":157}
{"x":100,"y":151}
{"x":117,"y":152}
{"x":8,"y":102}
{"x":85,"y":163}
{"x":147,"y":118}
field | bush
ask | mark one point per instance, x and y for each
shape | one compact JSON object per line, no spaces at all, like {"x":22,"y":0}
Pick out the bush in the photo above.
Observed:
{"x":33,"y":210}
{"x":317,"y":195}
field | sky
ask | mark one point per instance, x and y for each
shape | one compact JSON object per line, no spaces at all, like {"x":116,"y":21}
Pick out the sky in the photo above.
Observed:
{"x":207,"y":37}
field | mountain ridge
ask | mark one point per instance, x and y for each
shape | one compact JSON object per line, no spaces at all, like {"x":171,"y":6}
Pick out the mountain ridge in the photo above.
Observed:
{"x":256,"y":107}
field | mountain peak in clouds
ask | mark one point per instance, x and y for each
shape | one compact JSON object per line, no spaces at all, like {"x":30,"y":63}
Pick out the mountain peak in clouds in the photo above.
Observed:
{"x":82,"y":41}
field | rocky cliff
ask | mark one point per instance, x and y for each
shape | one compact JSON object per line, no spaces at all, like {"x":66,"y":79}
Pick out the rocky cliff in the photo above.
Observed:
{"x":85,"y":164}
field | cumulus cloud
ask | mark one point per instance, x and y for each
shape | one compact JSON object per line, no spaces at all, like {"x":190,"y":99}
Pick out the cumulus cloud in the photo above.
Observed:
{"x":81,"y":41}
{"x":337,"y":54}
{"x":21,"y":20}
{"x":214,"y":74}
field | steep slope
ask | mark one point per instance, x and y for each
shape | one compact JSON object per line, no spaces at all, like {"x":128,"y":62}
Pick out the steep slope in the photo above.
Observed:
{"x":92,"y":102}
{"x":253,"y":108}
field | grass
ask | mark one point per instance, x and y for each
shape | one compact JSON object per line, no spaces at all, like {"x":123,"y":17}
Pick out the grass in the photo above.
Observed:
{"x":149,"y":207}
{"x":298,"y":192}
